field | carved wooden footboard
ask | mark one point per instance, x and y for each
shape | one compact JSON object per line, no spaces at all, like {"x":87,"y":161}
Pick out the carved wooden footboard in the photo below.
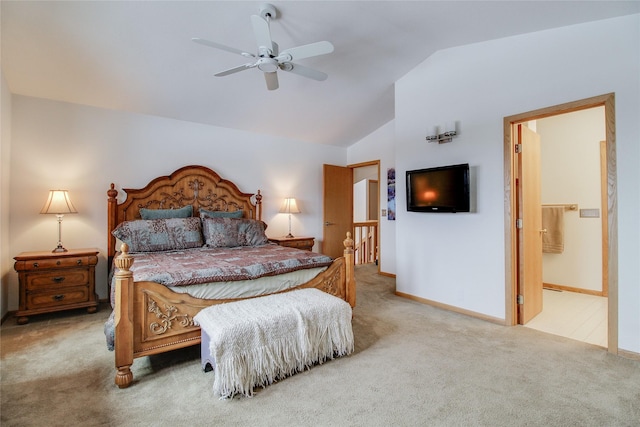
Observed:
{"x":152,"y":319}
{"x":149,"y":318}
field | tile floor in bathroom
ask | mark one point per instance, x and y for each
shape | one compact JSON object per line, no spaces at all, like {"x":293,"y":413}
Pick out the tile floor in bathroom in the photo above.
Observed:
{"x":573,"y":315}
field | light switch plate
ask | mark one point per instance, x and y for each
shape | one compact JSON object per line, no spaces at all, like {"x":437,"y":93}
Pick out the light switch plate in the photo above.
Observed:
{"x":589,"y":213}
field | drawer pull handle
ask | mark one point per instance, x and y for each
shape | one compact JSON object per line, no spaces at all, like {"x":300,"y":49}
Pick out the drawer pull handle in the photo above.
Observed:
{"x":58,"y":279}
{"x":79,"y":262}
{"x":58,"y":297}
{"x":36,"y":265}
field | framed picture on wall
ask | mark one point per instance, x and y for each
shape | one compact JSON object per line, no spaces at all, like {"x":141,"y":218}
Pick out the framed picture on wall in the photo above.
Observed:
{"x":391,"y":194}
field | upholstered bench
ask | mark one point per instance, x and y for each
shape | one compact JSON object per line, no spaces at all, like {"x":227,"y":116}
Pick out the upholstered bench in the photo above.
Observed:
{"x":206,"y":358}
{"x":257,"y":341}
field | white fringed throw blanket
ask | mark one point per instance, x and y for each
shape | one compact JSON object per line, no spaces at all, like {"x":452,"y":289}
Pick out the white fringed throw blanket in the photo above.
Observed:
{"x":261,"y":340}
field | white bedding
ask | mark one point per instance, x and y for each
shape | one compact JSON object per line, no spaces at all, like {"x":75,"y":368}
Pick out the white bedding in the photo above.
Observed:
{"x":250,"y":288}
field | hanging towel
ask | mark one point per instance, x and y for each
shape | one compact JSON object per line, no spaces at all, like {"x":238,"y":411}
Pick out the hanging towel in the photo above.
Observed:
{"x":553,"y":222}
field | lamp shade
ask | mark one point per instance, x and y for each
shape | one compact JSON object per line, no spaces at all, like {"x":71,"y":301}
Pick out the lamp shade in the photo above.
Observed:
{"x":58,"y":203}
{"x":289,"y":206}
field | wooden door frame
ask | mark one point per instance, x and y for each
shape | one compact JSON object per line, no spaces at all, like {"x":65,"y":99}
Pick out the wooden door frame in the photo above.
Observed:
{"x":529,"y":238}
{"x":511,"y":259}
{"x":604,"y":190}
{"x":364,"y":164}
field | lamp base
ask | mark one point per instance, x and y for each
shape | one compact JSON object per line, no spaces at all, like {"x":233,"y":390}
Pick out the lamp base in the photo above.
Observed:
{"x":59,"y":248}
{"x":289,"y":236}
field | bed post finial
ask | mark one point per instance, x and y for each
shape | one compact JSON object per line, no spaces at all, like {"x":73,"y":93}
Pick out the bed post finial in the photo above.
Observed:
{"x":348,"y":243}
{"x":259,"y":205}
{"x":124,"y":261}
{"x":112,"y":192}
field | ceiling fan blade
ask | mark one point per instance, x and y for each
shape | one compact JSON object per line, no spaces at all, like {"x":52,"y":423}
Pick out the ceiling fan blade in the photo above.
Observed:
{"x":221,"y":46}
{"x":262,"y":32}
{"x":234,"y":70}
{"x":304,"y":71}
{"x":308,"y":50}
{"x":272,"y":80}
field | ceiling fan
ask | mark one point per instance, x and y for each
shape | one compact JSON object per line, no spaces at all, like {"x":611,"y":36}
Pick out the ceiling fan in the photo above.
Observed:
{"x":268,"y":59}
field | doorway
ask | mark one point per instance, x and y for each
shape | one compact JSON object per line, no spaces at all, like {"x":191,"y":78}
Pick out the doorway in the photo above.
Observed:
{"x":338,"y":205}
{"x":366,"y":205}
{"x":516,"y":262}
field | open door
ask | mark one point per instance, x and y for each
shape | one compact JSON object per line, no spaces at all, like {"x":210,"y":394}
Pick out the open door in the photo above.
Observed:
{"x":609,"y":200}
{"x":338,"y":208}
{"x":529,"y":208}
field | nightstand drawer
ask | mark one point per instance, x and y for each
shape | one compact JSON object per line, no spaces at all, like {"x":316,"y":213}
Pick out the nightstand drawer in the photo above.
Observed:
{"x":57,"y":279}
{"x":46,"y":299}
{"x":45,"y":264}
{"x":300,"y":244}
{"x":304,"y":243}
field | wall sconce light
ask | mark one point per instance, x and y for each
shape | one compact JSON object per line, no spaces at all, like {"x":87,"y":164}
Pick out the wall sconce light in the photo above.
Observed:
{"x":289,"y":206}
{"x":59,"y":204}
{"x":441,"y":137}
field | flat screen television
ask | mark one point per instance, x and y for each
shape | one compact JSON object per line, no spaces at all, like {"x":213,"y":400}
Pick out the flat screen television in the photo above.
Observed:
{"x":440,"y":189}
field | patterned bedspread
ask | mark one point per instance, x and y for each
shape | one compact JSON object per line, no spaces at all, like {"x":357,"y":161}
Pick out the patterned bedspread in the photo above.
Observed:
{"x":205,"y":265}
{"x":208,"y":265}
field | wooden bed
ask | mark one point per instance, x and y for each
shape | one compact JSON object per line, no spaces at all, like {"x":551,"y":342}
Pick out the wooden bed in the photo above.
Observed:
{"x":149,"y":318}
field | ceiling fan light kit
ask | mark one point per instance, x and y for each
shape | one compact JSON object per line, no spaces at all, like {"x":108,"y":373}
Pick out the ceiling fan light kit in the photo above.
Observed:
{"x":268,"y":59}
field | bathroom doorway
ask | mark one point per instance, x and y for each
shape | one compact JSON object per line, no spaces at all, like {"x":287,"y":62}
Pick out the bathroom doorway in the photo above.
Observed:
{"x":560,"y":277}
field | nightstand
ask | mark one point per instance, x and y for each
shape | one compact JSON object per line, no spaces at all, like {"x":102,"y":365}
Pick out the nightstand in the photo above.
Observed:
{"x":305,"y":243}
{"x":56,"y":281}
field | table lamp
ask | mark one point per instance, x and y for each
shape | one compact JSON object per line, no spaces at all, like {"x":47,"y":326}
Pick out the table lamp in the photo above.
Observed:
{"x":59,"y":204}
{"x":289,"y":207}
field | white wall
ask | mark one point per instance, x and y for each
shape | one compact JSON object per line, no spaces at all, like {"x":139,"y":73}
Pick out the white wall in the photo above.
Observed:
{"x":360,"y":200}
{"x":458,"y":259}
{"x":570,"y":158}
{"x":6,"y":266}
{"x":84,"y":149}
{"x":379,"y":145}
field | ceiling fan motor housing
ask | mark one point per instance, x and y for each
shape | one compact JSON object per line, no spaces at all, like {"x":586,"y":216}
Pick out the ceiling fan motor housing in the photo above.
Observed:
{"x":268,"y":11}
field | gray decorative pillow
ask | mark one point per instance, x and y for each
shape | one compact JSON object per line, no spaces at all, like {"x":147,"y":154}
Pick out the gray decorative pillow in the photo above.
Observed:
{"x":220,"y":214}
{"x":251,"y":232}
{"x":220,"y":232}
{"x":184,"y":212}
{"x":156,"y":235}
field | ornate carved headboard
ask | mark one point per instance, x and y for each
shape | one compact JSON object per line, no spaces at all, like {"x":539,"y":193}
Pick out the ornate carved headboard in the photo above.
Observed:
{"x":197,"y":186}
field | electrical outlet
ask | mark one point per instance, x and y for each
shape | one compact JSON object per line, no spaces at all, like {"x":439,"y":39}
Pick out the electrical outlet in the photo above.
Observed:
{"x":384,"y":212}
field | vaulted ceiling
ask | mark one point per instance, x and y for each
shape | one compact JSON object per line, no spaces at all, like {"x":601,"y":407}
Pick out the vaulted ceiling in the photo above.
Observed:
{"x":137,"y":56}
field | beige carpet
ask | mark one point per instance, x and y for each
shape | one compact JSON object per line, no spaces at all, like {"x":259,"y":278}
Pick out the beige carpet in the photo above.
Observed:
{"x":414,"y":365}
